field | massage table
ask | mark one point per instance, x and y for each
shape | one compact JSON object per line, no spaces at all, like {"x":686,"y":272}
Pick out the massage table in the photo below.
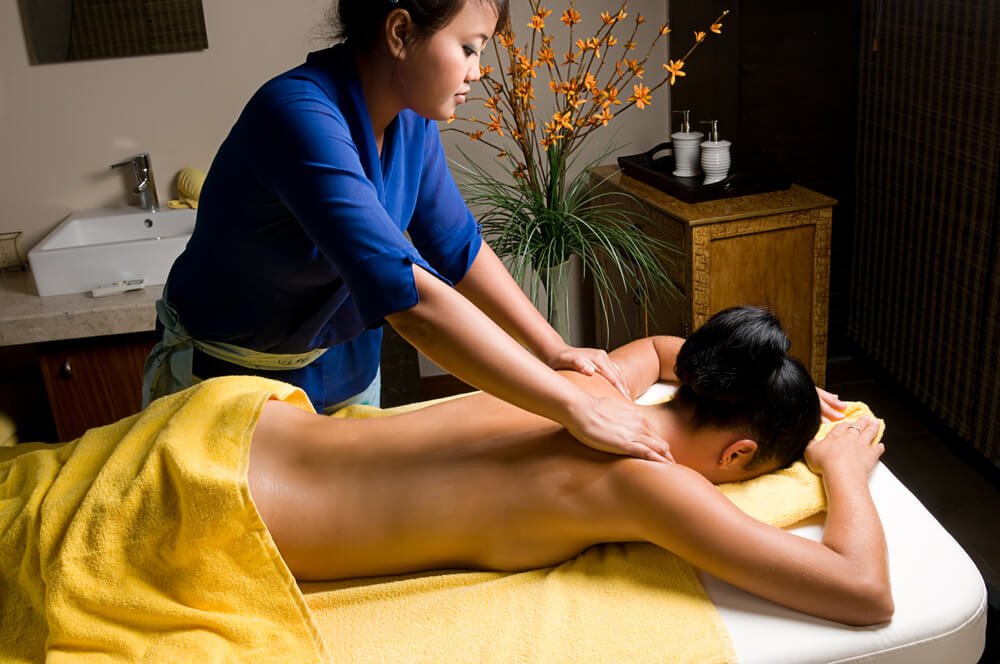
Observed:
{"x":939,"y":594}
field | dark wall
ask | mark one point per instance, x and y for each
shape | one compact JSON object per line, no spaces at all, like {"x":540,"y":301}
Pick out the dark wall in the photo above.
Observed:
{"x":782,"y":81}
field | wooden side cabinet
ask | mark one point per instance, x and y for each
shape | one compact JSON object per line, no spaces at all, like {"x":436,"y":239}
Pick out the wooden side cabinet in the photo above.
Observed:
{"x":93,"y":382}
{"x":770,"y":249}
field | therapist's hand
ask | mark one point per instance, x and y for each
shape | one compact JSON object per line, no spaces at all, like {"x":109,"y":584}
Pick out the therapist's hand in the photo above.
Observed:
{"x":617,"y":427}
{"x":590,"y":361}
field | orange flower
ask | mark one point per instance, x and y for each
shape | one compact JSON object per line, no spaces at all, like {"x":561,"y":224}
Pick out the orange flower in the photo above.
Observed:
{"x":639,"y":19}
{"x":610,"y":19}
{"x":674,"y":68}
{"x":699,"y":37}
{"x":629,"y":45}
{"x":716,"y":28}
{"x":591,"y":44}
{"x":506,"y":39}
{"x":491,"y":103}
{"x":609,"y":96}
{"x":476,"y":135}
{"x":640,"y":96}
{"x":538,"y":20}
{"x":495,"y":123}
{"x":451,"y":119}
{"x":563,"y":120}
{"x":546,"y":56}
{"x":570,"y":17}
{"x":602,"y":118}
{"x":485,"y":70}
{"x":634,"y":66}
{"x":523,"y":67}
{"x":664,"y":29}
{"x":550,"y":135}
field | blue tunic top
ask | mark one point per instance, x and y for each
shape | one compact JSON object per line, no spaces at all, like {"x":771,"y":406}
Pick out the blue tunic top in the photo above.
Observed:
{"x":300,"y":241}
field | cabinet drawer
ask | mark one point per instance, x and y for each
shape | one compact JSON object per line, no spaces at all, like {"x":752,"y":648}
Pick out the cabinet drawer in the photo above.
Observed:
{"x":93,"y":382}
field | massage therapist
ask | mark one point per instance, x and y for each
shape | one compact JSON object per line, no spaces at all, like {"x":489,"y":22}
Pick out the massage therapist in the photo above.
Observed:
{"x":330,"y":210}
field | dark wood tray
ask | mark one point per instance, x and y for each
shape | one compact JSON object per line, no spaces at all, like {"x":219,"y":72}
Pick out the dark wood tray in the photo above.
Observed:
{"x":658,"y":172}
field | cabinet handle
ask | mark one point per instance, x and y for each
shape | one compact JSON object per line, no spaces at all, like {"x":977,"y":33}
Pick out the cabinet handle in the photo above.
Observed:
{"x":66,"y":371}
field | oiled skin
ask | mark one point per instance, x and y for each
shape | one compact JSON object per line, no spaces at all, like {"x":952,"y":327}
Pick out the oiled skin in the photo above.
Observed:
{"x":478,"y":483}
{"x":471,"y":483}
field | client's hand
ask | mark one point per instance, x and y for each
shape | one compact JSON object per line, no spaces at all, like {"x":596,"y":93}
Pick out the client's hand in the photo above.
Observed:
{"x":848,"y":446}
{"x":830,"y":406}
{"x":618,"y":427}
{"x":589,"y":361}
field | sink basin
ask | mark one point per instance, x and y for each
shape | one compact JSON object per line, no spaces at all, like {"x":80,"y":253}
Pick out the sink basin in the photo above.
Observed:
{"x":94,"y":248}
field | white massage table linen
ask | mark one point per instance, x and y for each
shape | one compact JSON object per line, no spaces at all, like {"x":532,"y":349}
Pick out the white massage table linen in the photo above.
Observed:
{"x":939,"y":594}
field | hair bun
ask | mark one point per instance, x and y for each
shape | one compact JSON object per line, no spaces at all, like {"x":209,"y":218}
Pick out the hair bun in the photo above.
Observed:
{"x":733,"y":355}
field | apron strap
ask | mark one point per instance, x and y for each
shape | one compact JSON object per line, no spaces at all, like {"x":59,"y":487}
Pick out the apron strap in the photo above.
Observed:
{"x":168,"y":366}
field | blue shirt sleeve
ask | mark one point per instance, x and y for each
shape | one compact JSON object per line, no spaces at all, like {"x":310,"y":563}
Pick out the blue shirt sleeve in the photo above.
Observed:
{"x":443,"y":228}
{"x":307,"y":154}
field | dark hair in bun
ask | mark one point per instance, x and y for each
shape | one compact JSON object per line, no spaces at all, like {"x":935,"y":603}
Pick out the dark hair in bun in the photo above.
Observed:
{"x":357,"y":22}
{"x":735,"y":373}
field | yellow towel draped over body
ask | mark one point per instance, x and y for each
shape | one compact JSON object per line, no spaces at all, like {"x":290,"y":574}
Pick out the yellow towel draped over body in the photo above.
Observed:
{"x":140,"y":542}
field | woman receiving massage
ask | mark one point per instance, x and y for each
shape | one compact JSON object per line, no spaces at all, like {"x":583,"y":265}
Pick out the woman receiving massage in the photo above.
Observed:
{"x":478,"y":483}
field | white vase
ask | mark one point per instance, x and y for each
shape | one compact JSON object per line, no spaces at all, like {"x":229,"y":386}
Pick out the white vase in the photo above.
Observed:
{"x":561,"y":300}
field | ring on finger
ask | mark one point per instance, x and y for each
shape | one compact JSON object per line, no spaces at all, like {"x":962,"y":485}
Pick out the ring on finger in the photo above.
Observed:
{"x":855,"y":427}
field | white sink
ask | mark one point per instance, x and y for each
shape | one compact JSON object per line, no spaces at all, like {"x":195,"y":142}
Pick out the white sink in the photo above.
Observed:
{"x":95,"y":248}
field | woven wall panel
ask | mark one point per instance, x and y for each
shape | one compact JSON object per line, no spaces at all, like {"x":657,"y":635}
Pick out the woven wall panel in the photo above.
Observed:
{"x":116,"y":28}
{"x":988,"y":429}
{"x":926,"y":228}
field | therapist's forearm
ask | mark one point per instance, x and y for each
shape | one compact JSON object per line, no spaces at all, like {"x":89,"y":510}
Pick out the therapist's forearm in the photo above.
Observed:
{"x":489,"y":285}
{"x":454,"y":334}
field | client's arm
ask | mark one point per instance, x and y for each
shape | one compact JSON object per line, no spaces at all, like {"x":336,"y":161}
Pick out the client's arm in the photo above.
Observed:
{"x":844,"y":578}
{"x":646,"y":361}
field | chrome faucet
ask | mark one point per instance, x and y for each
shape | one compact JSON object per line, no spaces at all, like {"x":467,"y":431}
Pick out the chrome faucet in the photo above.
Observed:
{"x":145,"y":185}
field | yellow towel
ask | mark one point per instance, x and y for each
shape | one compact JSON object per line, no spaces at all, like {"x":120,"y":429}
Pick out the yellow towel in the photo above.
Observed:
{"x":139,"y":541}
{"x":189,"y":183}
{"x":612,"y":603}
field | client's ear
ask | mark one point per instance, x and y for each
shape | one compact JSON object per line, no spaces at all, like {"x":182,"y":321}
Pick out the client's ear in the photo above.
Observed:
{"x":738,"y":454}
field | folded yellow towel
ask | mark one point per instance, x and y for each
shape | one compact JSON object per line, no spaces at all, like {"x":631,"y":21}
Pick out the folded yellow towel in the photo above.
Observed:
{"x":189,"y":183}
{"x":614,"y":602}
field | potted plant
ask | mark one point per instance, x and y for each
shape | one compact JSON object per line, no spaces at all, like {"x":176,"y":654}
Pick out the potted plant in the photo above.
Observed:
{"x":544,"y":210}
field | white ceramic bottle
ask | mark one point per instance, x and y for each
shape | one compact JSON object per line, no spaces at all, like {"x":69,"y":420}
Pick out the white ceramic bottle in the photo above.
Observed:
{"x":715,"y":158}
{"x":686,"y":147}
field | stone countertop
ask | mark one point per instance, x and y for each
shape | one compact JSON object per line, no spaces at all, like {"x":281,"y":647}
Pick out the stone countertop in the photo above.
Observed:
{"x":27,"y":318}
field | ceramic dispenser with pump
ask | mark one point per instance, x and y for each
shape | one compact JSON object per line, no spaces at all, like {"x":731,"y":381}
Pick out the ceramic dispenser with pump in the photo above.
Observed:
{"x":715,"y":157}
{"x":686,"y":147}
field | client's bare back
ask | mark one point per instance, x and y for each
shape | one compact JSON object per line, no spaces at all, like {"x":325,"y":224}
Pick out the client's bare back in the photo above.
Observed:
{"x":472,"y":483}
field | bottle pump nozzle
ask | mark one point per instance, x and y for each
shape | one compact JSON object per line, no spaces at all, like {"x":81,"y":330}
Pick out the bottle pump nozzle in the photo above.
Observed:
{"x":685,"y":121}
{"x":713,"y":133}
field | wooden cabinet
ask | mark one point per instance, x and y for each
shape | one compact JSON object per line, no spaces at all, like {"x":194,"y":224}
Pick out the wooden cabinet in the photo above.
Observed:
{"x":93,"y":382}
{"x":770,"y":249}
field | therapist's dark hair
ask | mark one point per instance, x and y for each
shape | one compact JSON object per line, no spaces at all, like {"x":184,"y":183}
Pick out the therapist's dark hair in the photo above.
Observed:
{"x":735,"y":373}
{"x":358,"y":22}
